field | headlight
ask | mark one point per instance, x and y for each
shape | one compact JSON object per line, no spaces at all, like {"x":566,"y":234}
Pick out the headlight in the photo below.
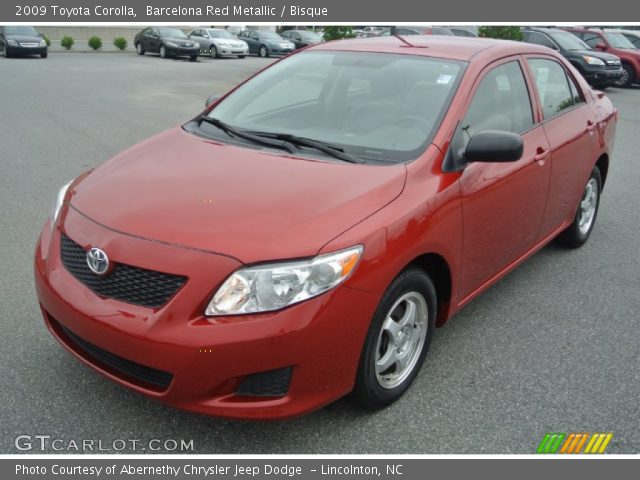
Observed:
{"x":57,"y":204}
{"x":42,"y":43}
{"x":592,"y":60}
{"x":265,"y":288}
{"x":12,"y":42}
{"x":171,"y":44}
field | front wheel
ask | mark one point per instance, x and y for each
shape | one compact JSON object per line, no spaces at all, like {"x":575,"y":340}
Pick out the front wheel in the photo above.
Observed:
{"x":163,"y":52}
{"x":397,"y":341}
{"x":578,"y":232}
{"x":213,"y":51}
{"x":627,"y":78}
{"x":139,"y":49}
{"x":44,"y":55}
{"x":193,"y":58}
{"x":263,"y":52}
{"x":240,"y":56}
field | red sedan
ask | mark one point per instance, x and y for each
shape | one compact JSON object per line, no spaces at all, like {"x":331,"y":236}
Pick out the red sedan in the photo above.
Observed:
{"x":302,"y":238}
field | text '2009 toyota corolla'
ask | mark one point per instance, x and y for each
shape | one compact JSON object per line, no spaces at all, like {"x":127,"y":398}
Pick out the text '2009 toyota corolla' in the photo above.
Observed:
{"x":301,"y":239}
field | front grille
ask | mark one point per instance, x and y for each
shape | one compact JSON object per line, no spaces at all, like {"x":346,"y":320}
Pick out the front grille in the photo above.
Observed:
{"x":274,"y":383}
{"x":133,"y":372}
{"x":126,"y":283}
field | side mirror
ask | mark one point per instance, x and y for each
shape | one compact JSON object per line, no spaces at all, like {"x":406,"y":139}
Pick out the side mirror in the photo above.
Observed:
{"x":494,"y":146}
{"x":212,"y":99}
{"x":601,"y":46}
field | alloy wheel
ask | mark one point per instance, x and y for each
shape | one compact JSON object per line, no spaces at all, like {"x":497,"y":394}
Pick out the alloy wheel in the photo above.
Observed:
{"x":401,"y":340}
{"x":163,"y":52}
{"x":588,"y":206}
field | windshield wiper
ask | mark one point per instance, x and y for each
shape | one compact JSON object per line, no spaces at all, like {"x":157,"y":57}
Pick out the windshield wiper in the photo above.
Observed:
{"x":234,"y":132}
{"x":330,"y":149}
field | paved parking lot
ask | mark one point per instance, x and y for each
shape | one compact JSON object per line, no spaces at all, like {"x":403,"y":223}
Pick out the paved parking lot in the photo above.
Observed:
{"x":553,"y":347}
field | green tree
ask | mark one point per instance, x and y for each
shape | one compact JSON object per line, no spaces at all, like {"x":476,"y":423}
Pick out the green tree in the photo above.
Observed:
{"x":95,"y":43}
{"x":336,"y":33}
{"x":120,"y":43}
{"x":67,"y":42}
{"x":502,"y":32}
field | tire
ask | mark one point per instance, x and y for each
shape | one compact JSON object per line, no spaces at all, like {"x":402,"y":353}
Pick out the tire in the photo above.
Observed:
{"x":163,"y":52}
{"x":193,"y":58}
{"x":580,"y":229}
{"x":139,"y":49}
{"x":628,"y":78}
{"x":241,"y":56}
{"x":263,"y":51}
{"x":377,"y":386}
{"x":5,"y":52}
{"x":213,"y":51}
{"x":44,"y":55}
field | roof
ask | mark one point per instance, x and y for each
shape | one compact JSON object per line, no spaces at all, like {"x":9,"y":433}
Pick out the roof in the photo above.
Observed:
{"x":454,"y":48}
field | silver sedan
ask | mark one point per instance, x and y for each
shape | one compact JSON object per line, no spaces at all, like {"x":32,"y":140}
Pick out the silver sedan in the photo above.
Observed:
{"x":217,"y":42}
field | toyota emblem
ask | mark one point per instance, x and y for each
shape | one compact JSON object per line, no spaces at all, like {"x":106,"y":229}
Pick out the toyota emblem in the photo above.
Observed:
{"x":98,"y":261}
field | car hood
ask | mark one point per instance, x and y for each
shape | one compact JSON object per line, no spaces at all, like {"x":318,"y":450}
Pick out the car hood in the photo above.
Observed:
{"x":596,"y":54}
{"x":254,"y":205}
{"x":24,"y":38}
{"x":177,"y":39}
{"x":229,"y":41}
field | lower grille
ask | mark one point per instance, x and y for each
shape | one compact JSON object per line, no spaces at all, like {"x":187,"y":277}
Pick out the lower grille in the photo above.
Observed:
{"x":126,"y":283}
{"x":274,"y":383}
{"x":135,"y":373}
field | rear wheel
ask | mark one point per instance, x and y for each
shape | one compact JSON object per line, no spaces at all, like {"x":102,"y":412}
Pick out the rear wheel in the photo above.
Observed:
{"x":139,"y":48}
{"x":213,"y":51}
{"x":263,"y":52}
{"x":628,"y":76}
{"x":578,"y":232}
{"x":397,"y":341}
{"x":5,"y":51}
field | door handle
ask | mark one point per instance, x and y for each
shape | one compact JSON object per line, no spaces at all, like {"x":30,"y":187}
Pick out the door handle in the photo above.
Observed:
{"x":590,"y":126}
{"x":541,"y":155}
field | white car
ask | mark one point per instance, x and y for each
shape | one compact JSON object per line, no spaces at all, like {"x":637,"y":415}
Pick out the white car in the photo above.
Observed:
{"x":217,"y":42}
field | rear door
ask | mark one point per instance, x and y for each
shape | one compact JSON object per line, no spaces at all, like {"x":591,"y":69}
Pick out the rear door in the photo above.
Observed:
{"x":502,"y":203}
{"x":570,"y":125}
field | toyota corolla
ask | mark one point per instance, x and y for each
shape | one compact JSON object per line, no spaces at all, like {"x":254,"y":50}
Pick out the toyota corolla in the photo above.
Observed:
{"x":301,"y":238}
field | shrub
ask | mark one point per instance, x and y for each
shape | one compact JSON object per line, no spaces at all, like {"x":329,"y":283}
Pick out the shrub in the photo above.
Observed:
{"x":120,"y":43}
{"x":67,"y":42}
{"x":503,"y":32}
{"x":95,"y":43}
{"x":336,"y":33}
{"x":46,"y":40}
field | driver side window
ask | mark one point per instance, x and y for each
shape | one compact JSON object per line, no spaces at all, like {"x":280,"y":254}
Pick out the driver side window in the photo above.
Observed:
{"x":501,"y":102}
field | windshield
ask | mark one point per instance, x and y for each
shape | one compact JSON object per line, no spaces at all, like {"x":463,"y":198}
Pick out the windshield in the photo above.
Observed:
{"x":568,"y":41}
{"x":618,"y":40}
{"x":220,"y":34}
{"x":19,"y":30}
{"x":380,"y":107}
{"x":172,"y":32}
{"x":314,"y":37}
{"x":270,"y":36}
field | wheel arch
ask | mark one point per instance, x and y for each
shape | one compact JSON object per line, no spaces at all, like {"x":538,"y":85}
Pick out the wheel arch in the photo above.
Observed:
{"x":436,"y":266}
{"x":603,"y":165}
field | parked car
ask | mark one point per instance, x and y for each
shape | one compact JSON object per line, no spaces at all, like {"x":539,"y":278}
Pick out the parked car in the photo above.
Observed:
{"x":302,"y":38}
{"x":633,"y":36}
{"x":598,"y":68}
{"x":612,"y":41}
{"x":167,"y":41}
{"x":303,"y":236}
{"x":464,"y":31}
{"x":217,"y":42}
{"x":21,"y":40}
{"x":265,"y":43}
{"x":407,"y":30}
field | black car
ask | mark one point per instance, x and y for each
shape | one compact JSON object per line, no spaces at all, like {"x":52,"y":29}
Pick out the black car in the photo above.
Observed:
{"x":21,"y":40}
{"x":167,"y":41}
{"x":600,"y":69}
{"x":302,"y":38}
{"x":266,"y":43}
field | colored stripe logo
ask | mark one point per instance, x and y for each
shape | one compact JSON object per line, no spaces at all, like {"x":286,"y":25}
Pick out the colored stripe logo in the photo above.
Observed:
{"x":574,"y":443}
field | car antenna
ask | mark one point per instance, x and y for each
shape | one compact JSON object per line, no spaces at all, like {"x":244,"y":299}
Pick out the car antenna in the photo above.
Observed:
{"x":404,"y":40}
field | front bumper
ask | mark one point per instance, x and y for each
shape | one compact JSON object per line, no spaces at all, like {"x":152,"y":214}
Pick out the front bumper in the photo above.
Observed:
{"x":232,"y":51}
{"x":603,"y":76}
{"x":280,"y":50}
{"x":183,"y":51}
{"x":26,"y":50}
{"x":318,"y":341}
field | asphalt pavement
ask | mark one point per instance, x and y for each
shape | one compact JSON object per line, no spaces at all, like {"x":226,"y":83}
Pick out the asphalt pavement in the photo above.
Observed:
{"x":554,"y":347}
